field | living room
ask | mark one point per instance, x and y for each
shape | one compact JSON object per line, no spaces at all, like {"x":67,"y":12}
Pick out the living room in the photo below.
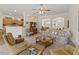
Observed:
{"x":39,"y":29}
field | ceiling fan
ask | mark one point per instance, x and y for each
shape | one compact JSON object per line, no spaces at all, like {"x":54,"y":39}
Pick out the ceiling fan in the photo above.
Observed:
{"x":42,"y":10}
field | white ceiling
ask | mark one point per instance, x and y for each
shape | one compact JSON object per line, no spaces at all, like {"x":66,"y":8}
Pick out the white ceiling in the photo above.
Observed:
{"x":28,"y":8}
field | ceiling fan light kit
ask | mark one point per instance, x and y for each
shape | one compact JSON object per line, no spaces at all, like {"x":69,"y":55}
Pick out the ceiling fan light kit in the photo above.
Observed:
{"x":42,"y":10}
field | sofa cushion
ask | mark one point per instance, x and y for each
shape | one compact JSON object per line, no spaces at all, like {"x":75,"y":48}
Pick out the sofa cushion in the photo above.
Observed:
{"x":76,"y":51}
{"x":10,"y":39}
{"x":69,"y":49}
{"x":18,"y":41}
{"x":60,"y":51}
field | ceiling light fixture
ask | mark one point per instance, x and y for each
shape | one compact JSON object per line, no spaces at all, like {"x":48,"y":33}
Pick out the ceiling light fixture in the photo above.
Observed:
{"x":42,"y":10}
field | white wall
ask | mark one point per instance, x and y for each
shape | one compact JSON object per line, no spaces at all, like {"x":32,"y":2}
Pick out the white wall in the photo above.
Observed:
{"x":73,"y":19}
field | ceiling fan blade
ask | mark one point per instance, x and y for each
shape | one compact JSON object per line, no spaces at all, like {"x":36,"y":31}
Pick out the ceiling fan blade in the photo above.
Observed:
{"x":48,"y":10}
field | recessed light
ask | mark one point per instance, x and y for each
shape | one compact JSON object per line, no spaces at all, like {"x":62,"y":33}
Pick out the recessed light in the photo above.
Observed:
{"x":14,"y":10}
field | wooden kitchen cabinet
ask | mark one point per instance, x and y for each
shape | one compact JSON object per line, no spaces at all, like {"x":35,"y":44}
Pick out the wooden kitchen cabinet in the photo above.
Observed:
{"x":12,"y":22}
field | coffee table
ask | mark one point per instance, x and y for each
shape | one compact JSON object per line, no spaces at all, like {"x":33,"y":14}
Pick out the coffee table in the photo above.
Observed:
{"x":39,"y":50}
{"x":45,"y":41}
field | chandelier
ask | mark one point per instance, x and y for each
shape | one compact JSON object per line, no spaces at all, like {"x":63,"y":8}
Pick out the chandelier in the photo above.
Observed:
{"x":42,"y":10}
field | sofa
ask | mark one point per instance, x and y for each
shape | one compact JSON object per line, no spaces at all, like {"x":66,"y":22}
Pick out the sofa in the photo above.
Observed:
{"x":13,"y":47}
{"x":67,"y":50}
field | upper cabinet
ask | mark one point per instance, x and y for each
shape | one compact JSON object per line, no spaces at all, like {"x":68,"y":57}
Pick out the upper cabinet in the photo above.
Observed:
{"x":7,"y":21}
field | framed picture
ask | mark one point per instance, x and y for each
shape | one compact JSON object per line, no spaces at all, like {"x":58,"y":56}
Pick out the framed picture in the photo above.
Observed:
{"x":78,"y":21}
{"x":67,"y":23}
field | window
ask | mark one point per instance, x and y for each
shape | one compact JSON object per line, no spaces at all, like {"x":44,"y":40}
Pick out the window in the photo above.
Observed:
{"x":58,"y":22}
{"x":46,"y":22}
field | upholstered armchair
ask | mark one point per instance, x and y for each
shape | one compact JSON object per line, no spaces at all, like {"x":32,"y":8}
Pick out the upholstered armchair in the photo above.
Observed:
{"x":13,"y":47}
{"x":1,"y":38}
{"x":76,"y":51}
{"x":67,"y":50}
